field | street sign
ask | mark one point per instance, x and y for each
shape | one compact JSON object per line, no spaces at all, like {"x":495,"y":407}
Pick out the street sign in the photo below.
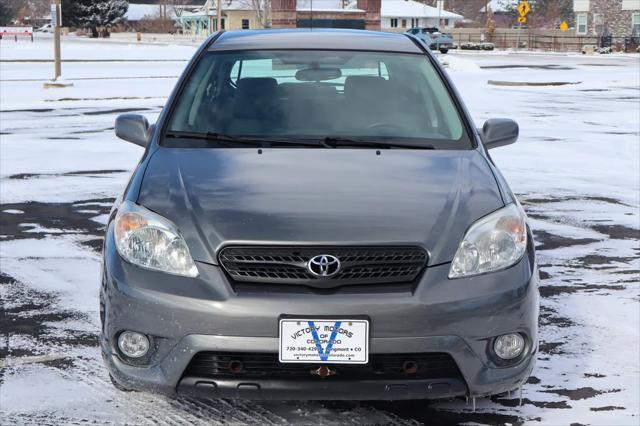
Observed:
{"x":56,"y":20}
{"x":524,"y":8}
{"x":564,"y":26}
{"x":522,"y":19}
{"x":54,"y":15}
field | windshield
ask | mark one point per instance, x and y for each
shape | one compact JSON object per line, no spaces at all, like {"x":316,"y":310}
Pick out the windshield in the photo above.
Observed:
{"x":312,"y":94}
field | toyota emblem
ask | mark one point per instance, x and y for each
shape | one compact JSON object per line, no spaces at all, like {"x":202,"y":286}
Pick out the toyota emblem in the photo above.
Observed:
{"x":324,"y":265}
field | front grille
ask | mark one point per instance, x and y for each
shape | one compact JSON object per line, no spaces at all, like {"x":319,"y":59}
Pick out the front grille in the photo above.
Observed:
{"x":288,"y":265}
{"x":221,"y":365}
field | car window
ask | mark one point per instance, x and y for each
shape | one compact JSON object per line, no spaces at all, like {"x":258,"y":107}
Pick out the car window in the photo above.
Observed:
{"x":318,"y":94}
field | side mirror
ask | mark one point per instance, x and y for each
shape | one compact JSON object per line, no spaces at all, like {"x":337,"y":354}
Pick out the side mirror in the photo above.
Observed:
{"x":499,"y":132}
{"x":133,"y":128}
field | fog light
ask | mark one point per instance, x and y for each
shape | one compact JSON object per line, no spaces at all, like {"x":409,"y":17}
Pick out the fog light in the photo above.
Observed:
{"x":509,"y":346}
{"x":132,"y":344}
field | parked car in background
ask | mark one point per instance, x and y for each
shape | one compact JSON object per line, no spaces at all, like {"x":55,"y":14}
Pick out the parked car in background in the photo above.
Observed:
{"x":435,"y":39}
{"x":48,"y":28}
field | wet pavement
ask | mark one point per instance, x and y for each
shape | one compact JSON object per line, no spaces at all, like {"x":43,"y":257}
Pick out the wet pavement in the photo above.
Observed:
{"x":51,"y":224}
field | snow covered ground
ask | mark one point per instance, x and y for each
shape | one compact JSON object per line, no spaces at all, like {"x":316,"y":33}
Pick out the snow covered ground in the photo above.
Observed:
{"x":576,"y":169}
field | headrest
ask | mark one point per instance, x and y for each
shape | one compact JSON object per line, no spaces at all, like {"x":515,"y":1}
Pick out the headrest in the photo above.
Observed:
{"x":305,"y":90}
{"x":255,"y":98}
{"x":256,"y":86}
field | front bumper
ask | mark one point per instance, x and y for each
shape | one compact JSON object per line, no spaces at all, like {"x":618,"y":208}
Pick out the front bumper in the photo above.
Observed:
{"x":323,"y":390}
{"x":186,"y":316}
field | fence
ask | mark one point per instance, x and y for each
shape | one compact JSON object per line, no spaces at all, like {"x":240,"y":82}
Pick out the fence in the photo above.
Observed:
{"x":15,"y":32}
{"x":158,"y":38}
{"x":552,"y":42}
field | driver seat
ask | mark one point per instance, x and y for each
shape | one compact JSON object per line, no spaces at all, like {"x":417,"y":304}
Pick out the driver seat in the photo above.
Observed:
{"x":368,"y":100}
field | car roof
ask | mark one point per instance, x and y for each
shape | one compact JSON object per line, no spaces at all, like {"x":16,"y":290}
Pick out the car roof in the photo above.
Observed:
{"x":319,"y":39}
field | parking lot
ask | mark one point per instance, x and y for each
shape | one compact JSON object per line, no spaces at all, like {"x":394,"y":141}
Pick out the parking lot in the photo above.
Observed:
{"x":576,"y":170}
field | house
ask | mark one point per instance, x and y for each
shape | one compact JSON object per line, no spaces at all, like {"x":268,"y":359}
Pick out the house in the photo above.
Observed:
{"x":198,"y":19}
{"x":236,"y":15}
{"x":354,"y":14}
{"x":618,"y":18}
{"x":403,"y":14}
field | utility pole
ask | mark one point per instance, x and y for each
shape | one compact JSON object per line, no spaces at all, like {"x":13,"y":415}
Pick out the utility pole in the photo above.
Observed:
{"x":440,"y":5}
{"x":57,"y":21}
{"x":219,"y":15}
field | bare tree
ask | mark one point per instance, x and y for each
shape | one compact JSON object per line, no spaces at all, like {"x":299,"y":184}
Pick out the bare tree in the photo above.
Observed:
{"x":470,"y":9}
{"x":8,"y":11}
{"x":262,"y":9}
{"x":177,"y":6}
{"x":37,"y":8}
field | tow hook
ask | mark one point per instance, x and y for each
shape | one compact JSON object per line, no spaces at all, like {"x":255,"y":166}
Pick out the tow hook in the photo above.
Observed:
{"x":323,"y":371}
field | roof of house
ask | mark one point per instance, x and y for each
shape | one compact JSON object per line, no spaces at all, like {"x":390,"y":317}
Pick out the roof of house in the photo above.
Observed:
{"x":328,"y":6}
{"x":414,"y":9}
{"x":500,"y":5}
{"x":391,"y":8}
{"x":321,"y":39}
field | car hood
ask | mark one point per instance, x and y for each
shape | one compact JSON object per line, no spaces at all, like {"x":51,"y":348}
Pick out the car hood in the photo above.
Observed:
{"x":320,"y":196}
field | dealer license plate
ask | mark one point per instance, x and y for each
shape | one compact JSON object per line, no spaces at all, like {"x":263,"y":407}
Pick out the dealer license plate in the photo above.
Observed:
{"x":339,"y":341}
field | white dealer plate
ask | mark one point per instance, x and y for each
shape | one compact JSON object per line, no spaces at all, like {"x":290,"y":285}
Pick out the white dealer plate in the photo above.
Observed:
{"x":335,"y":341}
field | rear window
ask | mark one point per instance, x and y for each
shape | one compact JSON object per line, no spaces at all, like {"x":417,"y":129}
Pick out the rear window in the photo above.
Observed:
{"x":318,"y":94}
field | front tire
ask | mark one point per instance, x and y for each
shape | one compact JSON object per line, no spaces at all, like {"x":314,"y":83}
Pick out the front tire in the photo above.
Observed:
{"x":443,"y":50}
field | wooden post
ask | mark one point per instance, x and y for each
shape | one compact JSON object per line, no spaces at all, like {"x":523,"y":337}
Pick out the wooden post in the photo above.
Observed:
{"x":219,"y":15}
{"x":56,"y":41}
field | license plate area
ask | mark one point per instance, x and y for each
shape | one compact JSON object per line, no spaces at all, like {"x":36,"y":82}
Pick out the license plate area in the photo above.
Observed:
{"x":327,"y":341}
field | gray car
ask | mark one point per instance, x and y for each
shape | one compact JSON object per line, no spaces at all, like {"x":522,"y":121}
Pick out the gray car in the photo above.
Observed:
{"x":315,"y":216}
{"x":433,"y":38}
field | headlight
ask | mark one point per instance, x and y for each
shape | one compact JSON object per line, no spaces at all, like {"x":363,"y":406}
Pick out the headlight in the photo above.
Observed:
{"x":149,"y":240}
{"x":494,"y":242}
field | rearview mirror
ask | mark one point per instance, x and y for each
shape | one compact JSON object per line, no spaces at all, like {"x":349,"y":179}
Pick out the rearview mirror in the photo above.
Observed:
{"x":318,"y":74}
{"x":133,"y":128}
{"x":499,"y":132}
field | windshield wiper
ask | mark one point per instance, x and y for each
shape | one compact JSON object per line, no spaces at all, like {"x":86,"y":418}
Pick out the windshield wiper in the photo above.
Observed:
{"x":334,"y":142}
{"x":207,"y":136}
{"x":327,"y":142}
{"x":254,"y":141}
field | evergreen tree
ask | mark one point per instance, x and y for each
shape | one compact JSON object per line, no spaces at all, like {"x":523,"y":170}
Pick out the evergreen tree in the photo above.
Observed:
{"x":92,"y":14}
{"x":8,"y":10}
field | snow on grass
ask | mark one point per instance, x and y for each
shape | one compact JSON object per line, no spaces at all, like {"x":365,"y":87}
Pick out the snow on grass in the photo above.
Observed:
{"x":77,"y":48}
{"x":458,"y":63}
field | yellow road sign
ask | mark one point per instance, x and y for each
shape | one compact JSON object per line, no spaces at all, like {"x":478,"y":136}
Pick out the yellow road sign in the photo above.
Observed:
{"x":522,"y":19}
{"x":524,"y":8}
{"x":564,"y":26}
